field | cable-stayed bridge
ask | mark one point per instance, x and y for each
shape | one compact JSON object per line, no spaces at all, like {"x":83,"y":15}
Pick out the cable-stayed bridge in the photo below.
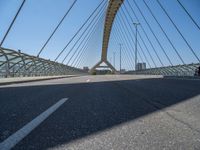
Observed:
{"x":115,"y":20}
{"x":148,"y":93}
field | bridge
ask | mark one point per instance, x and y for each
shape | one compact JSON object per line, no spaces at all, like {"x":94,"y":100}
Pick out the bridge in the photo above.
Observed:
{"x":127,"y":77}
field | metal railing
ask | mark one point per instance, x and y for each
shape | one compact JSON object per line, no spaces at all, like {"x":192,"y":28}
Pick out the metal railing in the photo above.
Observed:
{"x":16,"y":64}
{"x":179,"y":70}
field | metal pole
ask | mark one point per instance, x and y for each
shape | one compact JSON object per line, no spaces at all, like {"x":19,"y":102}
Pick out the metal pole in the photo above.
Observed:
{"x":13,"y":21}
{"x":114,"y":59}
{"x":120,"y":59}
{"x":136,"y":50}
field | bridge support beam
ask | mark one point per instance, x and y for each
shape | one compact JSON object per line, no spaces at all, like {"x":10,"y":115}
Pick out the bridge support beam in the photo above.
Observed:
{"x":107,"y":63}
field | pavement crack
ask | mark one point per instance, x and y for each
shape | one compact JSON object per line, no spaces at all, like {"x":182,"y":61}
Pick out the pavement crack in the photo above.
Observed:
{"x":182,"y":122}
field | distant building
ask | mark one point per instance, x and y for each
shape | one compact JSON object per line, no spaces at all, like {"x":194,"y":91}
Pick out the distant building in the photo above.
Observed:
{"x":85,"y":68}
{"x":141,"y":66}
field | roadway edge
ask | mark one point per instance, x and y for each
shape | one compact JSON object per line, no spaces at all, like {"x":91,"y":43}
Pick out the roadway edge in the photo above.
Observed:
{"x":34,"y":80}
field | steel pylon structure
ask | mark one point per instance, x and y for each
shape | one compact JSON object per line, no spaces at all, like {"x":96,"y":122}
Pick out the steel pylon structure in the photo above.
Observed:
{"x":112,"y":9}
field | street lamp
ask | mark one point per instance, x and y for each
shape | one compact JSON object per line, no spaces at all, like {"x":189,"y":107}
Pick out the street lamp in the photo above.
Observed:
{"x":120,"y":57}
{"x":136,"y":25}
{"x":114,"y":59}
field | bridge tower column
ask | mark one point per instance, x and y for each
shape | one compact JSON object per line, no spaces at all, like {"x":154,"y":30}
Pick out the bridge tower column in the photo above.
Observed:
{"x":112,"y":9}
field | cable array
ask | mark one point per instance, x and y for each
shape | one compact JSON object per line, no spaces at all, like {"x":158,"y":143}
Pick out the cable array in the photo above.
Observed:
{"x":76,"y":51}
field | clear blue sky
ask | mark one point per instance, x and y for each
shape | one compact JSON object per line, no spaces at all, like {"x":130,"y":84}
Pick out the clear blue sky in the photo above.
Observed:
{"x":39,"y":17}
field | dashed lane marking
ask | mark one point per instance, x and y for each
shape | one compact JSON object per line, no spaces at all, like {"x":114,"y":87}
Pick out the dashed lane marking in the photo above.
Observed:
{"x":88,"y":80}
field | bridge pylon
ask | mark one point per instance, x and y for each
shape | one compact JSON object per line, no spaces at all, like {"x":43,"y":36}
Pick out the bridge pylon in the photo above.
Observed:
{"x":112,"y":9}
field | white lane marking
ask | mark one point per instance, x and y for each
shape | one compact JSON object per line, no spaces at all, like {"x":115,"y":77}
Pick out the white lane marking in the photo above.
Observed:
{"x":12,"y":140}
{"x":88,"y":80}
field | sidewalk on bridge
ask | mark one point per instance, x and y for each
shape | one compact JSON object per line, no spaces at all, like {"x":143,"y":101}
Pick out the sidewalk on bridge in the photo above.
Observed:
{"x":183,"y":77}
{"x":6,"y":81}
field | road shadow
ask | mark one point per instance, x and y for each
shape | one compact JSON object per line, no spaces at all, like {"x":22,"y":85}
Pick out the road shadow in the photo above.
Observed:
{"x":92,"y":107}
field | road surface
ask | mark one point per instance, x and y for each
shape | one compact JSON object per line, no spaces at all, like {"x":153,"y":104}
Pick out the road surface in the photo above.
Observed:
{"x":101,"y":112}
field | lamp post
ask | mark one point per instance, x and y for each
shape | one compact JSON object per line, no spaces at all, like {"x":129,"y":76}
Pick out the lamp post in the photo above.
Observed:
{"x":120,"y":57}
{"x":114,"y":59}
{"x":136,"y":51}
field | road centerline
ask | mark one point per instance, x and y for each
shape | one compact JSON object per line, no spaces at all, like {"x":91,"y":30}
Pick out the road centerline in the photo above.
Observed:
{"x":16,"y":137}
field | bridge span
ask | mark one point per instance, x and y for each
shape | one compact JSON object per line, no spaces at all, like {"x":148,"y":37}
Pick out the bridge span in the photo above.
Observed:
{"x":116,"y":17}
{"x":52,"y":95}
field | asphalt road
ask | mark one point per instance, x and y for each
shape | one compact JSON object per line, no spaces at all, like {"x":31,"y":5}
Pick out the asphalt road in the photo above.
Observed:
{"x":104,"y":112}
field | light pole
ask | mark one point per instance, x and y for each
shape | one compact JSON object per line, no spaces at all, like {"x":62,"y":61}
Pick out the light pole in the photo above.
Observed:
{"x":136,"y":51}
{"x":120,"y":57}
{"x":114,"y":59}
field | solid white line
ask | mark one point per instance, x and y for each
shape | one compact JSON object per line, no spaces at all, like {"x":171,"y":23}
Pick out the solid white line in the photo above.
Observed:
{"x":12,"y":140}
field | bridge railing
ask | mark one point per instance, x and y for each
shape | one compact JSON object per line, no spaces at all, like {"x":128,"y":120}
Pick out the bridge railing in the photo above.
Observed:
{"x":15,"y":64}
{"x":179,"y":70}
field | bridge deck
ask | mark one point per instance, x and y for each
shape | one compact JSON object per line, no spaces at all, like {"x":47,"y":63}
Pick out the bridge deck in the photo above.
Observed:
{"x":104,"y":112}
